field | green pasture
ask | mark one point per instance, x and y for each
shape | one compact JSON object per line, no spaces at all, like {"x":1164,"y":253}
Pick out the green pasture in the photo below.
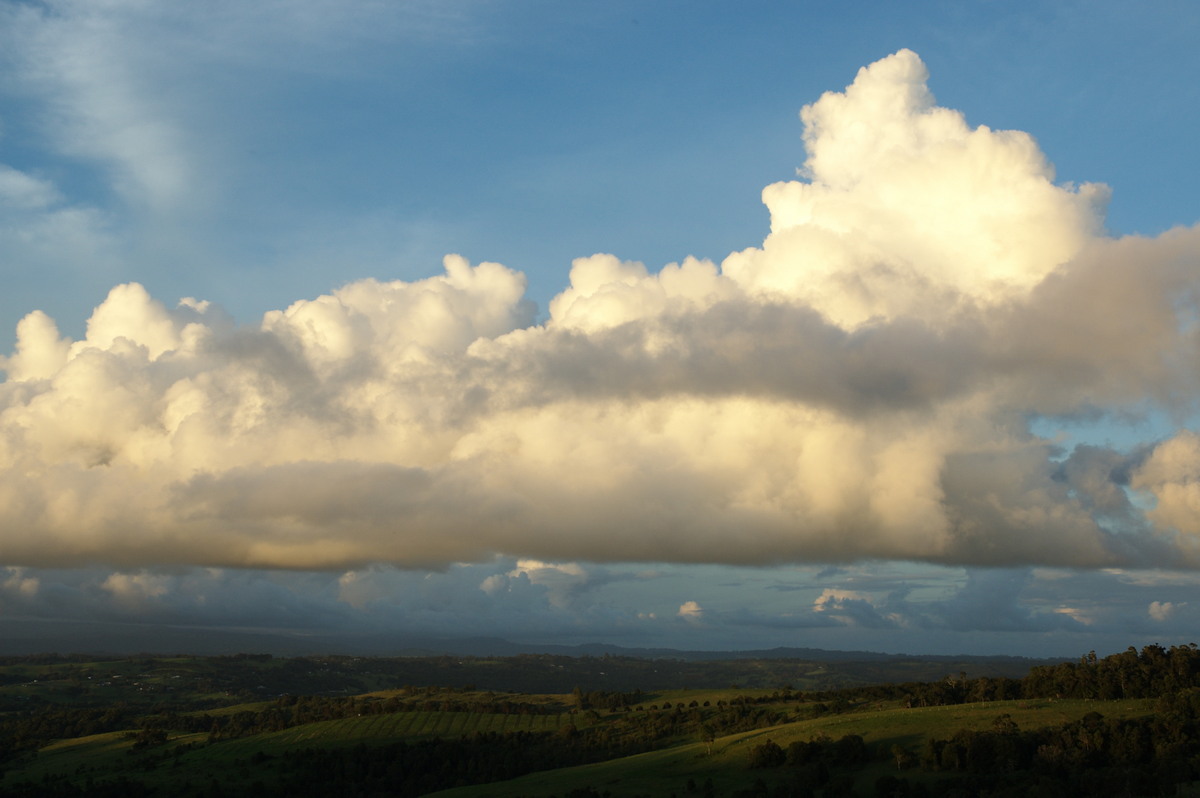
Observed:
{"x":665,"y":771}
{"x":232,"y":709}
{"x":726,"y":694}
{"x":465,"y":697}
{"x":97,"y":756}
{"x":189,"y":757}
{"x":395,"y":727}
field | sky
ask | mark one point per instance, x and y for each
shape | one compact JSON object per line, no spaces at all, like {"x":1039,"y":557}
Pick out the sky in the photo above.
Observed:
{"x":861,"y":326}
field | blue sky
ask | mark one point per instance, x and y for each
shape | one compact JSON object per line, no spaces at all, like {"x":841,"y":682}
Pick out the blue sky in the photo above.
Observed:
{"x":939,"y":402}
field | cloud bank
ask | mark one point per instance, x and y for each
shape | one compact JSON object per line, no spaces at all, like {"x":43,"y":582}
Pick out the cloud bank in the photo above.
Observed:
{"x":860,"y":386}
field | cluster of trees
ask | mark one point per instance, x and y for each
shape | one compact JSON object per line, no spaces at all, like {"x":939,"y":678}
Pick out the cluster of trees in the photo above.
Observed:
{"x":847,"y":752}
{"x":1150,"y":755}
{"x":33,"y":729}
{"x":604,"y":699}
{"x":1095,"y":755}
{"x":1153,"y":672}
{"x":411,"y":769}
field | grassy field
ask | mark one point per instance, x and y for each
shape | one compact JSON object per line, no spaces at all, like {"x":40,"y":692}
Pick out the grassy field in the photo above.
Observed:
{"x":189,"y":758}
{"x":256,"y":709}
{"x":662,"y":772}
{"x":395,"y":727}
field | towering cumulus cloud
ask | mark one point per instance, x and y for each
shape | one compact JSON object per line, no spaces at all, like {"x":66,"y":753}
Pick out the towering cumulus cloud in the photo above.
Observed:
{"x":863,"y":385}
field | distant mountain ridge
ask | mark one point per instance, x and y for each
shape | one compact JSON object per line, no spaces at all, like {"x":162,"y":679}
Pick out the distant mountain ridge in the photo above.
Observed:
{"x":19,"y":637}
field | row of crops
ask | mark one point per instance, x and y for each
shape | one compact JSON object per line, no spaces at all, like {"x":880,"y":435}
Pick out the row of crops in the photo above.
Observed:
{"x":405,"y":725}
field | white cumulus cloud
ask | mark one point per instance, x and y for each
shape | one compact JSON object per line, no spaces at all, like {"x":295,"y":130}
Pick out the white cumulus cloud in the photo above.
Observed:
{"x":859,"y":386}
{"x":1162,"y":610}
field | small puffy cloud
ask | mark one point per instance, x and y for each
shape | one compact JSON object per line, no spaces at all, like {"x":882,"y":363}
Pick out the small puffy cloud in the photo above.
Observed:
{"x":1162,"y":610}
{"x":691,"y":611}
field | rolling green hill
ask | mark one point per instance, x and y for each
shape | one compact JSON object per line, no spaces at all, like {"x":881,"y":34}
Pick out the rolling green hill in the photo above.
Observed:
{"x":660,"y":773}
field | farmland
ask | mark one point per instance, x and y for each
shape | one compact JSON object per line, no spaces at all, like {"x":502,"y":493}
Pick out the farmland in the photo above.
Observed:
{"x":197,"y":726}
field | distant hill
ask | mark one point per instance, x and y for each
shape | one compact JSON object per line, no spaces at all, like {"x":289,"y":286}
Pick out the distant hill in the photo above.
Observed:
{"x":25,"y":637}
